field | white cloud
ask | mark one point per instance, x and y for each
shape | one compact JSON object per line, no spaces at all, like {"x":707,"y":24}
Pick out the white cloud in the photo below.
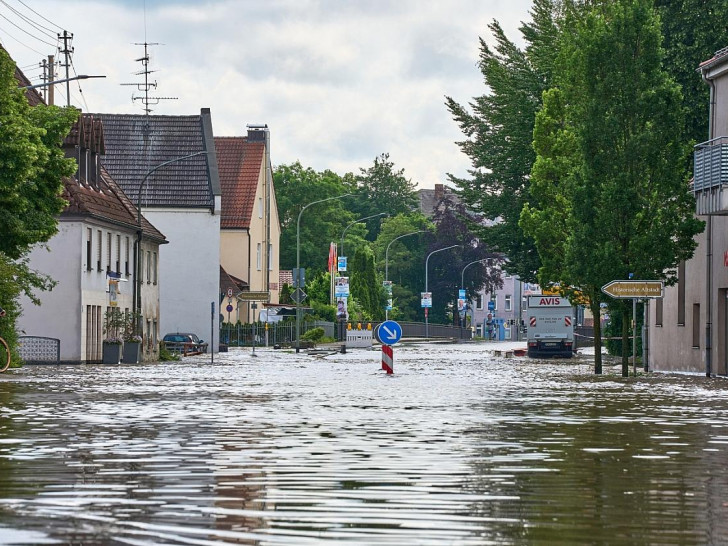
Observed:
{"x":337,"y":81}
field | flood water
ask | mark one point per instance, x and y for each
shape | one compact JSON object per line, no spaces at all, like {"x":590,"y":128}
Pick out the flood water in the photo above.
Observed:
{"x":457,"y":447}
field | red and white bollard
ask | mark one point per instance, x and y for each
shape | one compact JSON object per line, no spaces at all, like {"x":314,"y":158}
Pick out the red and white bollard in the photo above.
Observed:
{"x":388,"y":359}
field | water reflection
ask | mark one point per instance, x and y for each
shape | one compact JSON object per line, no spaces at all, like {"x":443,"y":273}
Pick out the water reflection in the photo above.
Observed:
{"x":457,"y":447}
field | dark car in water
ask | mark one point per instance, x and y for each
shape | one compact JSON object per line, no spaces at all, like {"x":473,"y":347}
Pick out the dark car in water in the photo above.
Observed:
{"x":184,"y":343}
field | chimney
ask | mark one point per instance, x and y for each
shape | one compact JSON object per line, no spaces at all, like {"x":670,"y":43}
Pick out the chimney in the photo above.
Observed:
{"x":439,"y":192}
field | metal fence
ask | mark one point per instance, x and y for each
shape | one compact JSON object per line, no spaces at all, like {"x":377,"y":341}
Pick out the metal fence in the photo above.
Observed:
{"x":39,"y":350}
{"x":273,"y":333}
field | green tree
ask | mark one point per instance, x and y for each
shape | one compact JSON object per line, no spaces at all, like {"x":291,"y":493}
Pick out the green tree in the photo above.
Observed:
{"x":693,"y":31}
{"x":382,"y":188}
{"x":366,"y":285}
{"x":32,"y":167}
{"x":321,"y":224}
{"x":610,"y":148}
{"x":405,"y":260}
{"x":499,"y":132}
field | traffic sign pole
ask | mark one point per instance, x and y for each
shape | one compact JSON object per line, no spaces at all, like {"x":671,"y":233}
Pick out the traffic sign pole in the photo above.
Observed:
{"x":388,"y":359}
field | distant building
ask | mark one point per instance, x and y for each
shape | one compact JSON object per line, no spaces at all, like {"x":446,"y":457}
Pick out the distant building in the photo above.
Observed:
{"x":507,"y":301}
{"x":249,"y":225}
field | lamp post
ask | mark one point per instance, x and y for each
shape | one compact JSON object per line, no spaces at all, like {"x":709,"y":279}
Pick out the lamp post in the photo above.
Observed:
{"x":298,"y":263}
{"x":462,"y":278}
{"x":343,"y":234}
{"x":427,"y":331}
{"x":137,"y":266}
{"x":386,"y":261}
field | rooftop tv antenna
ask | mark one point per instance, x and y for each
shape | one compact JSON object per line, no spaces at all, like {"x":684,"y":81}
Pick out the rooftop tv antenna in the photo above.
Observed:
{"x":147,"y":86}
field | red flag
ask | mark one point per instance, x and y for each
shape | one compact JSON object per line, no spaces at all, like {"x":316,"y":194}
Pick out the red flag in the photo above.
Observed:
{"x":332,"y":256}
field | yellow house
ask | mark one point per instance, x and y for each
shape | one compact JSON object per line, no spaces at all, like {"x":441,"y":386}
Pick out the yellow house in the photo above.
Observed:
{"x":249,"y":226}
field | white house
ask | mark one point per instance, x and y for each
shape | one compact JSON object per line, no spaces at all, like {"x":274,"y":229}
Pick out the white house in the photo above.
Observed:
{"x":92,"y":254}
{"x":180,"y":195}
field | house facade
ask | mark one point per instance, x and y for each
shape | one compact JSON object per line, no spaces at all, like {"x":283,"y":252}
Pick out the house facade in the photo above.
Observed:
{"x":91,"y":258}
{"x":249,"y":225}
{"x":167,"y":165}
{"x":688,"y":329}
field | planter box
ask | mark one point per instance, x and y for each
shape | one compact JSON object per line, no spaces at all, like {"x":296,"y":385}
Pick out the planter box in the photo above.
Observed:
{"x":132,"y":352}
{"x":112,"y":353}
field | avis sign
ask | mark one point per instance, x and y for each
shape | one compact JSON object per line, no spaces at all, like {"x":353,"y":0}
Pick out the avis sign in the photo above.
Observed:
{"x":633,"y":289}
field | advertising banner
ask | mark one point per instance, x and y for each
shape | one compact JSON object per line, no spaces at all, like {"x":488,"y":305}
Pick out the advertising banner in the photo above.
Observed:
{"x":426,"y":299}
{"x":342,"y":287}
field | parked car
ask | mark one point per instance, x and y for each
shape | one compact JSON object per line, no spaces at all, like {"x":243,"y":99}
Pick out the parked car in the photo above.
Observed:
{"x":184,"y":343}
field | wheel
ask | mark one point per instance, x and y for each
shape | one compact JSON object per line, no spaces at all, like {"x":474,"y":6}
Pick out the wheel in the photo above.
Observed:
{"x":4,"y":355}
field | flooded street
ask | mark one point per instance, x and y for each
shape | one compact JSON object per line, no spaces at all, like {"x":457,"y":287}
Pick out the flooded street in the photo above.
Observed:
{"x":457,"y":447}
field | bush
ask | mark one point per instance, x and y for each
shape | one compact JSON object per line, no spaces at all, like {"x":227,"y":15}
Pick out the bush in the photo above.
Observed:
{"x":314,"y":334}
{"x":165,"y":355}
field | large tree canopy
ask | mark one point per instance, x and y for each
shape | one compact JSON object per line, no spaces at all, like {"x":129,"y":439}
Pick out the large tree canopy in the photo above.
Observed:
{"x":32,"y":165}
{"x":499,"y":132}
{"x":610,"y":178}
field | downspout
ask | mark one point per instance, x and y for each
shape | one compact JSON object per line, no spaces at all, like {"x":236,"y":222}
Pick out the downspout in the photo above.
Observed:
{"x":268,"y":184}
{"x":709,"y":248}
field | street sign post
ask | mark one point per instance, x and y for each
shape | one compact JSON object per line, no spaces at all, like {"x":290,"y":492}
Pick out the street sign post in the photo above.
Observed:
{"x":633,"y":289}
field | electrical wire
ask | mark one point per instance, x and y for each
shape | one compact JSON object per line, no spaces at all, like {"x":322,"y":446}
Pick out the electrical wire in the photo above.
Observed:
{"x":21,"y":43}
{"x":79,"y":85}
{"x":26,"y":32}
{"x":39,"y":15}
{"x":35,"y":25}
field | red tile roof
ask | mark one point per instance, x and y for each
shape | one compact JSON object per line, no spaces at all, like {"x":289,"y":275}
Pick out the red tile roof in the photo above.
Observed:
{"x":239,"y":164}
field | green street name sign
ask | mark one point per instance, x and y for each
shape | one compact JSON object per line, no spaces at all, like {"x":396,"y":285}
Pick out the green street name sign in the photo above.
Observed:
{"x":633,"y":289}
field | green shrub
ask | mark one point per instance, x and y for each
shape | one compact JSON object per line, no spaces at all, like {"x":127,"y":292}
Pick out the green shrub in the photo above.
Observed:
{"x":165,"y":355}
{"x":314,"y":334}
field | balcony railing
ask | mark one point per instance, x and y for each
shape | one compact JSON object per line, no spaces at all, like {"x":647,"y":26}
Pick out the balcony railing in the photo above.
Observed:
{"x":711,"y":176}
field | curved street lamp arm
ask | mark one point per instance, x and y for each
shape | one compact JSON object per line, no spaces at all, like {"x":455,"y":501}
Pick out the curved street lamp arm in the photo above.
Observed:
{"x":428,"y":259}
{"x":462,"y":275}
{"x":386,"y":252}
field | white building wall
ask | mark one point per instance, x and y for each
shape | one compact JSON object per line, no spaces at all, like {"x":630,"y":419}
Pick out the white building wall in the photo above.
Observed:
{"x":189,"y":270}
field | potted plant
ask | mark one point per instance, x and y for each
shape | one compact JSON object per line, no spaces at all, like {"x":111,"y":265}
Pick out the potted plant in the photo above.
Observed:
{"x":113,"y":342}
{"x":132,"y":340}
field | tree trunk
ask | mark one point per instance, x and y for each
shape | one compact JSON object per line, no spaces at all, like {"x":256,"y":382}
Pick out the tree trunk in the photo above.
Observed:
{"x":597,"y":337}
{"x":625,"y":341}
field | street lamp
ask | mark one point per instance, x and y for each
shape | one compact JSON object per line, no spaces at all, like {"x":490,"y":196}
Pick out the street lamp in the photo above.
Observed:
{"x":298,"y":263}
{"x":386,"y":261}
{"x":427,"y":331}
{"x":137,"y":266}
{"x":356,"y":222}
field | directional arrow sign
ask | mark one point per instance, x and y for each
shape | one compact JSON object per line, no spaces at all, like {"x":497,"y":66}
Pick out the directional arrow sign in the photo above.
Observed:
{"x":389,"y":332}
{"x":633,"y":289}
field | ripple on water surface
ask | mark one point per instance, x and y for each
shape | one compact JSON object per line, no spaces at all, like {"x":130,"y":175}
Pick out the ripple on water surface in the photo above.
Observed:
{"x":457,"y":447}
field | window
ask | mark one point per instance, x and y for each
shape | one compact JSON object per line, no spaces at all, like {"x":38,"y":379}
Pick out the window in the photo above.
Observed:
{"x":259,"y":257}
{"x":99,"y":244}
{"x":270,"y":257}
{"x":260,"y":207}
{"x":154,"y":267}
{"x":479,"y":301}
{"x":681,"y":294}
{"x":149,"y":266}
{"x":89,"y":242}
{"x":658,"y":311}
{"x":126,"y":257}
{"x":507,"y":303}
{"x":108,"y":251}
{"x":696,"y":325}
{"x":118,"y":253}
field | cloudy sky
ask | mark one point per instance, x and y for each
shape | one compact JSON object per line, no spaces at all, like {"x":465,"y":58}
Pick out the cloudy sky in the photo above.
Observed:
{"x":337,"y":81}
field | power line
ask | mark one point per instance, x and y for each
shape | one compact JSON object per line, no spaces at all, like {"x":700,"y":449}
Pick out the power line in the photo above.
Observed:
{"x":26,"y":32}
{"x":39,"y":15}
{"x":35,"y":25}
{"x":21,"y":43}
{"x":83,"y":97}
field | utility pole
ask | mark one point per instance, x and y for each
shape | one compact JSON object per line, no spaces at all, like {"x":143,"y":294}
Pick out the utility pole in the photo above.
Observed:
{"x":67,"y":50}
{"x":50,"y":96}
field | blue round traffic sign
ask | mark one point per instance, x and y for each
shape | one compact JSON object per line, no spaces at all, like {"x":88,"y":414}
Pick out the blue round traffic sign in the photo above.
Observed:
{"x":389,"y":332}
{"x":229,"y":308}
